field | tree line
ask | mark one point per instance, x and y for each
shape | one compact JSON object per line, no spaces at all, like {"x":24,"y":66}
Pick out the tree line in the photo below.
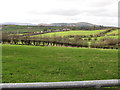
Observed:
{"x":76,"y":41}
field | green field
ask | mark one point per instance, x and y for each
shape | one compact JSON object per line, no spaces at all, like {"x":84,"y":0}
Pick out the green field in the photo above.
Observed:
{"x":73,"y":32}
{"x":113,"y":32}
{"x":22,"y":29}
{"x":23,"y":63}
{"x":116,"y":36}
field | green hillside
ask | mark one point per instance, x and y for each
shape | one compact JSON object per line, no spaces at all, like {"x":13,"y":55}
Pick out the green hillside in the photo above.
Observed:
{"x":23,"y":63}
{"x":73,"y":32}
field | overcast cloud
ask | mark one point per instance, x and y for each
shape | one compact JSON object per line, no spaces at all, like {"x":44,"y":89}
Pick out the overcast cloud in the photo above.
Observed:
{"x":101,"y":12}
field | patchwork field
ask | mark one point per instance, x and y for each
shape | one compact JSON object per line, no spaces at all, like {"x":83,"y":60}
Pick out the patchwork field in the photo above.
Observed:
{"x":41,"y":54}
{"x":113,"y":32}
{"x":22,"y":63}
{"x":23,"y":29}
{"x":73,"y":32}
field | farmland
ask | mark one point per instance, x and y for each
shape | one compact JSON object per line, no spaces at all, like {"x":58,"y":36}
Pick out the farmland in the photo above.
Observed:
{"x":80,"y":38}
{"x":43,"y":64}
{"x":24,"y":29}
{"x":74,"y":32}
{"x":48,"y":54}
{"x":113,"y":32}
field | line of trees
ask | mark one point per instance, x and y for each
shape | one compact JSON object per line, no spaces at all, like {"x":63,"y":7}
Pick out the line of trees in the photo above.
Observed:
{"x":87,"y":27}
{"x":106,"y":43}
{"x":44,"y":41}
{"x":77,"y":41}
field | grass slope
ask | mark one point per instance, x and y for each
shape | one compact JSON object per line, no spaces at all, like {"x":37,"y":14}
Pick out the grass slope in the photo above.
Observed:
{"x":113,"y":32}
{"x":75,"y":32}
{"x":21,"y":29}
{"x":43,"y":64}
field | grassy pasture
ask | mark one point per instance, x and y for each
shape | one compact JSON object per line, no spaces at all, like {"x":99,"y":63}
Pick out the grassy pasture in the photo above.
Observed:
{"x":116,"y":36}
{"x":75,"y":32}
{"x":22,"y":29}
{"x":113,"y":32}
{"x":109,"y":34}
{"x":43,"y":64}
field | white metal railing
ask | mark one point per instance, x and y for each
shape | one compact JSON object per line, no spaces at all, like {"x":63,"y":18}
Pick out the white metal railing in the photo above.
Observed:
{"x":62,"y":85}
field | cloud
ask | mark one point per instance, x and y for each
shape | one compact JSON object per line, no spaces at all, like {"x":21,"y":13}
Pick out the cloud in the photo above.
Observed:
{"x":67,"y":12}
{"x":48,"y":11}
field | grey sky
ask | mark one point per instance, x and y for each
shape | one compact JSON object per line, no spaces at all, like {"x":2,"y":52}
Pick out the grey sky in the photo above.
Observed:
{"x":104,"y":12}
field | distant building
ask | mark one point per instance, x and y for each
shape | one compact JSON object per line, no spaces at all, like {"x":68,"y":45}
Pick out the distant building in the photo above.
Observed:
{"x":65,"y":29}
{"x":42,"y":24}
{"x":29,"y":27}
{"x":41,"y":31}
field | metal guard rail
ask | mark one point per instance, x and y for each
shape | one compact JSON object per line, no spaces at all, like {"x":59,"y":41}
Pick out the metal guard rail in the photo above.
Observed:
{"x":62,"y":85}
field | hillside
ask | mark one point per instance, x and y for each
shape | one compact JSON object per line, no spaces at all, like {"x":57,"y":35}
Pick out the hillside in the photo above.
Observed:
{"x":72,"y":24}
{"x":23,"y":63}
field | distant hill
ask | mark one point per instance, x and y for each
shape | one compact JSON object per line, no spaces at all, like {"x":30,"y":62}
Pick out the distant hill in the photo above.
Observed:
{"x":84,"y":24}
{"x":52,"y":24}
{"x":72,"y":24}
